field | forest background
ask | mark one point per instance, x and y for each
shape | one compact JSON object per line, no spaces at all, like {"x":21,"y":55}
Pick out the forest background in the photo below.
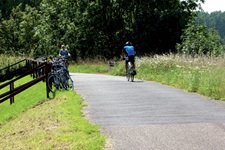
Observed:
{"x":91,"y":28}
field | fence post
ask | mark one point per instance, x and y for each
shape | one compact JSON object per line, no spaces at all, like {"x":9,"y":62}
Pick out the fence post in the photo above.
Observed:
{"x":11,"y":89}
{"x":46,"y":79}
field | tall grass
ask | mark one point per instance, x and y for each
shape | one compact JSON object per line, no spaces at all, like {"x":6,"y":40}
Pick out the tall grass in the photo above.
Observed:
{"x":6,"y":60}
{"x":204,"y":75}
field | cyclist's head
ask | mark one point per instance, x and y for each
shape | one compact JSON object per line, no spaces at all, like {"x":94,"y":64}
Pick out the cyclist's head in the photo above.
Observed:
{"x":63,"y":46}
{"x":128,"y":43}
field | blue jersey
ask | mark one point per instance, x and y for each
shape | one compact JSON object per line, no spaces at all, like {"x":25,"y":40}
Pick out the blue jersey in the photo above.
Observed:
{"x":129,"y":50}
{"x":64,"y":52}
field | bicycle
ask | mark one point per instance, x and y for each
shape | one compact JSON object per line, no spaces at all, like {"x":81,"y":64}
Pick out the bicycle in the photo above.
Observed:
{"x":67,"y":82}
{"x":59,"y":77}
{"x":130,"y":72}
{"x":64,"y":60}
{"x":54,"y":80}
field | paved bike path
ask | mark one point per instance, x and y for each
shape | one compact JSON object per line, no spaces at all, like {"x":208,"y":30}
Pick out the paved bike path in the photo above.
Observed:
{"x":145,"y":115}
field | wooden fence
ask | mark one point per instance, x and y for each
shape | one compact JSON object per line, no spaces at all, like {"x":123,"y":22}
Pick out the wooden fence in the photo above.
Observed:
{"x":39,"y":70}
{"x":13,"y":70}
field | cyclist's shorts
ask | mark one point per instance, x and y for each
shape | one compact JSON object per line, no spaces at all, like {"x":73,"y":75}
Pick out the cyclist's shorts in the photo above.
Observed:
{"x":131,"y":59}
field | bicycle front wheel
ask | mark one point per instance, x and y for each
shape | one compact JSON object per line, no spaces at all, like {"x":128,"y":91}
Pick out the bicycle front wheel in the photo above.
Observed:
{"x":54,"y":82}
{"x":70,"y":84}
{"x":67,"y":81}
{"x":128,"y":76}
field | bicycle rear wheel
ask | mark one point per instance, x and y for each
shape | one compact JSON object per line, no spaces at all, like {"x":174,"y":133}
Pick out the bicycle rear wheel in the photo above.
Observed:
{"x":132,"y":78}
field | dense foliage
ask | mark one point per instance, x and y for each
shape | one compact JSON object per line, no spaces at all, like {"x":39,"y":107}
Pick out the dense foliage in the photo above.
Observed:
{"x":6,"y":6}
{"x":93,"y":27}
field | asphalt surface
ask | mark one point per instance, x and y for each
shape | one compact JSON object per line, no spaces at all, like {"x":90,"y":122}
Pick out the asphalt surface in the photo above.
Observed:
{"x":145,"y":115}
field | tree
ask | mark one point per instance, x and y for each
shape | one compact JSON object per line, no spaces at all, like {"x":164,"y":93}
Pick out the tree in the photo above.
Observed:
{"x":215,"y":20}
{"x":6,"y":6}
{"x":198,"y":40}
{"x":17,"y":32}
{"x":9,"y":33}
{"x":99,"y":27}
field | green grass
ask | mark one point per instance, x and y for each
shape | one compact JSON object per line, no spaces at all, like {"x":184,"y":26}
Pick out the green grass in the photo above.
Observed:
{"x":204,"y":75}
{"x":23,"y":101}
{"x":34,"y":122}
{"x":55,"y":124}
{"x":89,"y":67}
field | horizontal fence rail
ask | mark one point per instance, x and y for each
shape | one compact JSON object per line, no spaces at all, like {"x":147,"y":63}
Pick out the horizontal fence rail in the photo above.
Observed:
{"x":12,"y":65}
{"x":13,"y":70}
{"x":40,"y":69}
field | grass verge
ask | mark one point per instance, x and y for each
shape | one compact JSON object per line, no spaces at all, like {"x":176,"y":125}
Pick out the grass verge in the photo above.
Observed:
{"x":34,"y":122}
{"x":90,"y":67}
{"x":23,"y":101}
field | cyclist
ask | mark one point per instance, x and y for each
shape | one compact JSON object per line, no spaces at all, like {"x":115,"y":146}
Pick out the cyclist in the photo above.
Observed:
{"x":64,"y":53}
{"x":128,"y":54}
